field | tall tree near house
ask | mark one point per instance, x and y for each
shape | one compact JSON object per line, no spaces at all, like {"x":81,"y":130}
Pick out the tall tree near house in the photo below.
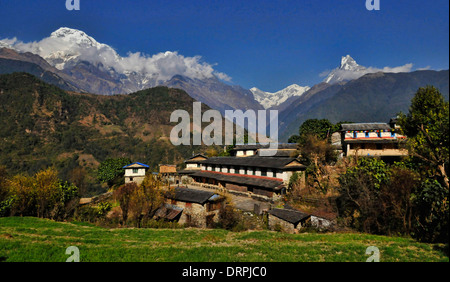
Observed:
{"x":427,"y":127}
{"x":146,"y":199}
{"x":123,"y":196}
{"x":111,"y":170}
{"x":322,"y":128}
{"x":316,"y":153}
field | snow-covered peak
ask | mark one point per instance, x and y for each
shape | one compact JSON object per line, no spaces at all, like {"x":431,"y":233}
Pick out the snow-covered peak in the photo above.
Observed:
{"x":76,"y":37}
{"x":268,"y":99}
{"x":5,"y":45}
{"x":348,"y":70}
{"x":348,"y":63}
{"x":66,"y":46}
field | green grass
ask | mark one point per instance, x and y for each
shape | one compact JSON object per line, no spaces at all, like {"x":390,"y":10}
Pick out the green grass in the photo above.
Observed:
{"x":39,"y":240}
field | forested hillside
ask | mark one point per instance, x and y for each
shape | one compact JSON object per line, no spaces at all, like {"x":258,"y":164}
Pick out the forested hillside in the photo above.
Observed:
{"x":42,"y":125}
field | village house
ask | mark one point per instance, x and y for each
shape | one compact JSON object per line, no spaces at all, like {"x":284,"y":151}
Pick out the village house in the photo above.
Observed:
{"x":372,"y":139}
{"x":287,"y":220}
{"x":283,"y":150}
{"x":135,"y":172}
{"x":192,"y":207}
{"x":292,"y":221}
{"x":254,"y":175}
{"x":169,"y":172}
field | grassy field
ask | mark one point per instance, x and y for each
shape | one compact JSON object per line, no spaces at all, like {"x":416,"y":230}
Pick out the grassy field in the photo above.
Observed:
{"x":41,"y":240}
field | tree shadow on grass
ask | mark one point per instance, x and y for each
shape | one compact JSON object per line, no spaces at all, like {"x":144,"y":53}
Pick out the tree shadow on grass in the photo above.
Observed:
{"x":442,"y":248}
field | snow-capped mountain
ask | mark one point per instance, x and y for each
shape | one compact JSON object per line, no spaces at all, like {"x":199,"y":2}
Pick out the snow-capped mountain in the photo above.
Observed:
{"x":268,"y":99}
{"x":348,"y":70}
{"x":74,"y":46}
{"x":70,"y":50}
{"x":95,"y":67}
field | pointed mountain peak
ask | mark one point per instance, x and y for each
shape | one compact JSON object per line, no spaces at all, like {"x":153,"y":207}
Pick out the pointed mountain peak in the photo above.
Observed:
{"x":348,"y":70}
{"x":348,"y":63}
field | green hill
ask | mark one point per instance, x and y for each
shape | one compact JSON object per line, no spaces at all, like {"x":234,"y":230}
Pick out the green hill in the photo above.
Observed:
{"x":42,"y":125}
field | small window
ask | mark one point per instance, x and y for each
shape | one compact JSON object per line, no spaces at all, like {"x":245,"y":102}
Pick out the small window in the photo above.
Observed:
{"x":367,"y":134}
{"x":379,"y":134}
{"x":135,"y":170}
{"x":355,"y":134}
{"x":131,"y":178}
{"x":392,"y":134}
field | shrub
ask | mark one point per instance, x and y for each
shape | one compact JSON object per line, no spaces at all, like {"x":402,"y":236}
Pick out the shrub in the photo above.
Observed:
{"x":432,"y":212}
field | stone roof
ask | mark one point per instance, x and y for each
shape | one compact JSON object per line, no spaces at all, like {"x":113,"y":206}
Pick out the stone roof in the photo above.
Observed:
{"x":191,"y":195}
{"x":289,"y":215}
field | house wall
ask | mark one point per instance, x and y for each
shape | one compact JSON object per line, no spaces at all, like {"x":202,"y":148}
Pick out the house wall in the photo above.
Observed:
{"x":262,"y":192}
{"x":275,"y":222}
{"x":375,"y":152}
{"x":192,"y":166}
{"x":245,"y":153}
{"x":320,"y":222}
{"x":195,"y":214}
{"x":235,"y":187}
{"x":129,"y":172}
{"x":137,"y":179}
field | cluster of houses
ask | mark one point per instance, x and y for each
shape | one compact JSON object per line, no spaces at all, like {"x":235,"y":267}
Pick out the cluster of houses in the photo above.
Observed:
{"x":248,"y":172}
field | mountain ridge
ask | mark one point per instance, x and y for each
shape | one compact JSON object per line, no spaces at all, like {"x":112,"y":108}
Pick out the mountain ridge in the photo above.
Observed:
{"x":269,"y":100}
{"x":374,"y":97}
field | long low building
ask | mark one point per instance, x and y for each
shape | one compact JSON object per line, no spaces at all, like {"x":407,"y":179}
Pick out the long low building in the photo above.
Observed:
{"x":265,"y":176}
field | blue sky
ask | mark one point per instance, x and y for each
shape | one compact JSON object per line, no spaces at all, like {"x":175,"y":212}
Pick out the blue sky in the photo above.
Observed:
{"x":267,"y":44}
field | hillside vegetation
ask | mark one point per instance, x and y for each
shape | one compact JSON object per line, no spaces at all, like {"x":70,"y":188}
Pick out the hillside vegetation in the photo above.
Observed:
{"x":25,"y":239}
{"x":43,"y":125}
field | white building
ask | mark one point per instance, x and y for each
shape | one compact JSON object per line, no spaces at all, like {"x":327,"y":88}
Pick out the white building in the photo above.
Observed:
{"x":253,"y":174}
{"x":135,"y":172}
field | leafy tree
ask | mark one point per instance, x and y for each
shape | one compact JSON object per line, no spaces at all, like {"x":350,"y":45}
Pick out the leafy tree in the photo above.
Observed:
{"x":111,"y":170}
{"x":68,"y":199}
{"x":294,"y":139}
{"x":140,"y":202}
{"x":146,"y":199}
{"x":322,"y":128}
{"x":46,"y":192}
{"x":432,"y":212}
{"x":316,"y":153}
{"x":397,"y":198}
{"x":123,"y":195}
{"x":21,"y":189}
{"x":42,"y":195}
{"x":3,"y":183}
{"x":359,"y":189}
{"x":427,"y":127}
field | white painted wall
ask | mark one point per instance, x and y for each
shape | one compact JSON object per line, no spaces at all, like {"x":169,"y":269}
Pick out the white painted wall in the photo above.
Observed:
{"x":129,"y":172}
